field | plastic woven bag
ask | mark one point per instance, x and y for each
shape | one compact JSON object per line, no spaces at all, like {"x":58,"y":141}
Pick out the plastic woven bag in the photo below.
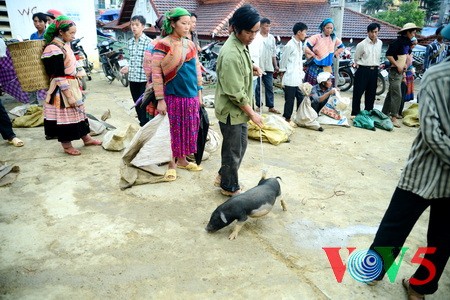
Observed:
{"x":363,"y":120}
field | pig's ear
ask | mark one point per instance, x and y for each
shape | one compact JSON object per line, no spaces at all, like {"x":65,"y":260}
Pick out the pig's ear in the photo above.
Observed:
{"x":223,"y":218}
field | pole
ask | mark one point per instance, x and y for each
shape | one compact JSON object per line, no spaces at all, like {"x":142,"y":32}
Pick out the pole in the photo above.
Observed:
{"x":337,"y":13}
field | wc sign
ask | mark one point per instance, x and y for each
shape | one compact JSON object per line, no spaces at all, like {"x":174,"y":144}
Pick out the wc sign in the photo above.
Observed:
{"x":366,"y":265}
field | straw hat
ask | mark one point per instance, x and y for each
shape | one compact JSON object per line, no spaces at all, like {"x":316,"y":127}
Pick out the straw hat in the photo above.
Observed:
{"x":409,"y":26}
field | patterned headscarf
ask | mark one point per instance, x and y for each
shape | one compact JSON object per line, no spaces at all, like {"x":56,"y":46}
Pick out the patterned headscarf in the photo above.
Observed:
{"x":324,"y":23}
{"x":170,"y":15}
{"x":61,"y":23}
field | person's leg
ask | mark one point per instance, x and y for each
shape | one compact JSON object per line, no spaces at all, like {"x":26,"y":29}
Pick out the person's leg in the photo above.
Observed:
{"x":438,"y":236}
{"x":395,"y":82}
{"x":289,"y":95}
{"x":137,"y":89}
{"x":371,"y":89}
{"x":402,"y":102}
{"x":386,"y":104}
{"x":258,"y":92}
{"x":5,"y":124}
{"x":358,"y":90}
{"x":402,"y":213}
{"x":231,"y":153}
{"x":299,"y":96}
{"x":268,"y":88}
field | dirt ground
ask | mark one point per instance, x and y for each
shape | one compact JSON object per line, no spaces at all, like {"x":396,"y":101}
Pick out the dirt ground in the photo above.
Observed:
{"x":68,"y":232}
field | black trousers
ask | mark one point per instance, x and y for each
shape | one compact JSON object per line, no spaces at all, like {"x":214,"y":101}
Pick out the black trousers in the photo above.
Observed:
{"x":290,"y":94}
{"x":137,"y":89}
{"x":234,"y":146}
{"x":365,"y":82}
{"x":398,"y":221}
{"x":5,"y":124}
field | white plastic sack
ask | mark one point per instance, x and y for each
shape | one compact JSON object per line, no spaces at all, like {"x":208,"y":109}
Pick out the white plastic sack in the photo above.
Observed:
{"x":306,"y":116}
{"x":333,"y":113}
{"x":118,"y":139}
{"x":96,"y":127}
{"x":157,"y":148}
{"x":213,"y":141}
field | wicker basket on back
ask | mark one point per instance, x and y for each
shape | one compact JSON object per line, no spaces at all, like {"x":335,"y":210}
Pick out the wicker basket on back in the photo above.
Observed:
{"x":26,"y":57}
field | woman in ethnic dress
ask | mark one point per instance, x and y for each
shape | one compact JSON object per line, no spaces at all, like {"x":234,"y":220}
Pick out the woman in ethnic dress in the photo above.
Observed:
{"x":64,"y":112}
{"x":320,"y":49}
{"x":177,"y":82}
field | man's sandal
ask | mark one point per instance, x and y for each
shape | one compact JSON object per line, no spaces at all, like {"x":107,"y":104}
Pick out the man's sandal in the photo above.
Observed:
{"x":16,"y":142}
{"x":412,"y":294}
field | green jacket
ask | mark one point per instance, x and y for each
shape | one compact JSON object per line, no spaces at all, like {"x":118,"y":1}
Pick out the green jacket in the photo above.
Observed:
{"x":234,"y":82}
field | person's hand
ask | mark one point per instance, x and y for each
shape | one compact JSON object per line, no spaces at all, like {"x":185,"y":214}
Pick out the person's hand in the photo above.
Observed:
{"x":276,"y":69}
{"x":257,"y":71}
{"x":124,"y":70}
{"x":256,"y":118}
{"x":72,"y":102}
{"x":162,"y":107}
{"x":399,"y":69}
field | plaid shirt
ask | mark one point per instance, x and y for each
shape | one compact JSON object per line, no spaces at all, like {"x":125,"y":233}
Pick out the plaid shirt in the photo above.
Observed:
{"x":136,"y":51}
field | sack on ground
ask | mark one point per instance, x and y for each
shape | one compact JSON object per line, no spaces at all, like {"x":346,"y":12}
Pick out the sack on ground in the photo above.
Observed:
{"x":275,"y":130}
{"x":34,"y":117}
{"x":363,"y":120}
{"x":306,"y":116}
{"x":118,"y":139}
{"x":335,"y":106}
{"x":149,"y":149}
{"x":411,"y":116}
{"x":381,"y":120}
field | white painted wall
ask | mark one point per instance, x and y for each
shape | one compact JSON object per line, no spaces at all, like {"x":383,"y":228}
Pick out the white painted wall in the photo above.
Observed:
{"x":82,"y":12}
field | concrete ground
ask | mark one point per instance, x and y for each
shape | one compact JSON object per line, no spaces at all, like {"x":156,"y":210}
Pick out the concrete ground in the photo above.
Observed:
{"x":68,"y":232}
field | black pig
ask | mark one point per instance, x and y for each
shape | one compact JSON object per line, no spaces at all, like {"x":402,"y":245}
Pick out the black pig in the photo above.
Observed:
{"x":255,"y":203}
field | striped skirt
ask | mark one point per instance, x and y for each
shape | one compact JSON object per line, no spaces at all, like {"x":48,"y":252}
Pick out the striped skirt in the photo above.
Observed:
{"x":66,"y":124}
{"x":184,"y":121}
{"x":409,"y":86}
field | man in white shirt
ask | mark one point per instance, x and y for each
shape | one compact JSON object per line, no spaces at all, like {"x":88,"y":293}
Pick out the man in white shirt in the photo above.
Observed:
{"x":367,"y":59}
{"x":291,"y":69}
{"x":268,"y":64}
{"x":255,"y":49}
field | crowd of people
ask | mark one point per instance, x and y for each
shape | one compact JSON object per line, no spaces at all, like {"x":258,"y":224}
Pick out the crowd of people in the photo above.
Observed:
{"x":170,"y":66}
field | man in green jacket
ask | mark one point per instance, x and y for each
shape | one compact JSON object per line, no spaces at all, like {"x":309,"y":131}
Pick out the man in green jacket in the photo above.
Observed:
{"x":234,"y":94}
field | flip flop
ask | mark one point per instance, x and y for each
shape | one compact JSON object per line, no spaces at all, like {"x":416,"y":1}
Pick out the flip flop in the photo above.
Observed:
{"x":191,"y":167}
{"x":16,"y":142}
{"x":170,"y":175}
{"x":72,"y":151}
{"x":93,"y":142}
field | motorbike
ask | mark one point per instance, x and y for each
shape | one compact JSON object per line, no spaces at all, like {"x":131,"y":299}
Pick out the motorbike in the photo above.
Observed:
{"x":208,"y":59}
{"x":82,"y":61}
{"x":345,"y":74}
{"x":112,"y":61}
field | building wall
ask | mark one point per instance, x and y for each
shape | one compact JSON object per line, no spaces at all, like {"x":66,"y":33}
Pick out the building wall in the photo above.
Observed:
{"x":82,"y":12}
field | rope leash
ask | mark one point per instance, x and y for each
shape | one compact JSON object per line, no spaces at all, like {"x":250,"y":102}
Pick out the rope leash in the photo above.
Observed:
{"x":263,"y":170}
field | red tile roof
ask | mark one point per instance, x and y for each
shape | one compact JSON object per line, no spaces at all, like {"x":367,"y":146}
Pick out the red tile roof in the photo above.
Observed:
{"x":213,"y":16}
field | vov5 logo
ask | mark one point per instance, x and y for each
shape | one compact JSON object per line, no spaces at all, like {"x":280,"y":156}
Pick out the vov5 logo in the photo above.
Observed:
{"x":366,"y":265}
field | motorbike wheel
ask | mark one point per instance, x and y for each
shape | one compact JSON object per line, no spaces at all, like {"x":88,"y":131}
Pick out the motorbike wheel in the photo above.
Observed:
{"x":124,"y":80}
{"x":345,"y":80}
{"x":381,"y":85}
{"x":83,"y":83}
{"x":107,"y":71}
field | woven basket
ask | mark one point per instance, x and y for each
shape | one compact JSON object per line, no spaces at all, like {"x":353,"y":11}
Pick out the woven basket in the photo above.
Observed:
{"x":26,"y":57}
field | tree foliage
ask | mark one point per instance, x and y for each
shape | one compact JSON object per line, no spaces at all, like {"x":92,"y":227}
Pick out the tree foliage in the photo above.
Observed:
{"x":431,"y":7}
{"x":373,"y":6}
{"x":408,"y":12}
